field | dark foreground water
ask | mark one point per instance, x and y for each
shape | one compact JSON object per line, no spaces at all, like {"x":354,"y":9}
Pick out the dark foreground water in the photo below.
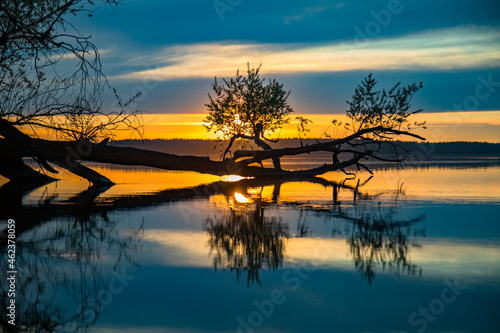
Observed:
{"x":407,"y":251}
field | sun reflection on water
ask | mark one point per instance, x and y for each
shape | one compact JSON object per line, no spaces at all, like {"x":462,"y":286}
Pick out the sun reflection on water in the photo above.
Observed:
{"x":240,"y":198}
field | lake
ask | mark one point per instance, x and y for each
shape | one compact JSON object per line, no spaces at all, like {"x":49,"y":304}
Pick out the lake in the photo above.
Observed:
{"x":413,"y":250}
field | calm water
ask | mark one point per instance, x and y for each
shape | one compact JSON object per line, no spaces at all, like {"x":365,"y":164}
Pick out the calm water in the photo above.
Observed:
{"x":405,"y":251}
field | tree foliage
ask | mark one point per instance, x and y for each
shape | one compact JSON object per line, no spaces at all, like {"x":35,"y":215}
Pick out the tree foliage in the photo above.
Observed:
{"x":247,"y":107}
{"x":380,"y":108}
{"x":375,"y":119}
{"x":380,"y":116}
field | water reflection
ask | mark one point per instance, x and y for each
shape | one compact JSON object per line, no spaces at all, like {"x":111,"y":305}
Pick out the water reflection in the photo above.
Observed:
{"x":243,"y":239}
{"x":378,"y":240}
{"x":66,"y":259}
{"x":70,"y":250}
{"x":69,"y":246}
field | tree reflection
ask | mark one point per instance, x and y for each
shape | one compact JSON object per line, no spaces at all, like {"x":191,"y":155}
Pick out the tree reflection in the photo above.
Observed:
{"x":64,"y":266}
{"x":67,"y":251}
{"x":245,"y":240}
{"x":378,"y":240}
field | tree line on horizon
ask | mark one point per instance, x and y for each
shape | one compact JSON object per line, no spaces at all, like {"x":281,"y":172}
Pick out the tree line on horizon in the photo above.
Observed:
{"x":205,"y":146}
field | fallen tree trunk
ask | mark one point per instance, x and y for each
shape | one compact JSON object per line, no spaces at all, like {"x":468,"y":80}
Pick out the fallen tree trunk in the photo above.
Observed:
{"x":142,"y":157}
{"x":14,"y":168}
{"x":257,"y":156}
{"x":37,"y":149}
{"x":66,"y":154}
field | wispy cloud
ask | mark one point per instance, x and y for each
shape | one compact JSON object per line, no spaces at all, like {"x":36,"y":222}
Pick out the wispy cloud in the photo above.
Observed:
{"x":457,"y":48}
{"x":307,"y":12}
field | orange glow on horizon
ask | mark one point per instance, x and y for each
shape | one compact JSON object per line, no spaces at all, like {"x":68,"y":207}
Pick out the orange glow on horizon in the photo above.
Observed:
{"x":442,"y":126}
{"x":483,"y":126}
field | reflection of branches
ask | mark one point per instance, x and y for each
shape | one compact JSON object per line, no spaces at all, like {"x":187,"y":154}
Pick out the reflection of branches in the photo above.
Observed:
{"x":376,"y":239}
{"x":60,"y":278}
{"x":369,"y":222}
{"x":302,"y":226}
{"x":247,"y":241}
{"x":243,"y":239}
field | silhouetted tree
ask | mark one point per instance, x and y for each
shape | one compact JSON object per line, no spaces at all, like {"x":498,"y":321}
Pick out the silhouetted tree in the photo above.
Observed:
{"x":247,"y":108}
{"x":376,"y":119}
{"x":51,"y":82}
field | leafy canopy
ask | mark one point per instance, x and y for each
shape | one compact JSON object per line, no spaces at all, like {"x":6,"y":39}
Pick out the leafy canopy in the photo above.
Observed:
{"x":241,"y":103}
{"x":388,"y":109}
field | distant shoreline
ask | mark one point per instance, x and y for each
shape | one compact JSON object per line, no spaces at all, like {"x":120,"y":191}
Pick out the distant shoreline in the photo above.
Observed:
{"x":212,"y":149}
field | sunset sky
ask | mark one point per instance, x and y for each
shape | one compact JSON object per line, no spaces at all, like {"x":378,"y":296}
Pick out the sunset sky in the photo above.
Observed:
{"x":320,"y":50}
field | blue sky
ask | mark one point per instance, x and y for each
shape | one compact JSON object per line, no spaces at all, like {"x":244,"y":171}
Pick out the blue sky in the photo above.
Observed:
{"x":320,"y":50}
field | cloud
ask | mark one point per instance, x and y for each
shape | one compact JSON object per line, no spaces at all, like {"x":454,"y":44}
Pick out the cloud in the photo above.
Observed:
{"x":307,"y":12}
{"x":444,"y":49}
{"x":310,"y":12}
